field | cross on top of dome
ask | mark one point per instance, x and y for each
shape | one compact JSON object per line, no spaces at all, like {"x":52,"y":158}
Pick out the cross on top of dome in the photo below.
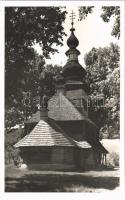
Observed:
{"x":72,"y":17}
{"x":72,"y":41}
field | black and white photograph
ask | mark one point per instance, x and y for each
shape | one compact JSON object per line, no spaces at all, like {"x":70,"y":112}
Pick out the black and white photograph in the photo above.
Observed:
{"x":62,"y":100}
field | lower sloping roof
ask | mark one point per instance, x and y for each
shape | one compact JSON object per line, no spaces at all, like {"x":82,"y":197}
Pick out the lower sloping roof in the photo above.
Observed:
{"x":44,"y":135}
{"x":49,"y":134}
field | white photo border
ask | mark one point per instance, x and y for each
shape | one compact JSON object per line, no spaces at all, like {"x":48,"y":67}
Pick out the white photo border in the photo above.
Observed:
{"x":68,"y":196}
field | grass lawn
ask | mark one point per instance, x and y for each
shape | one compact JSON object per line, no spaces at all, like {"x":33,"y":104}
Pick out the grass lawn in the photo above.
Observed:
{"x":55,"y":181}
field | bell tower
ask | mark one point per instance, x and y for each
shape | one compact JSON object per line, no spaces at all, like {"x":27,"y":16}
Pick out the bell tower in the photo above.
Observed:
{"x":74,"y":73}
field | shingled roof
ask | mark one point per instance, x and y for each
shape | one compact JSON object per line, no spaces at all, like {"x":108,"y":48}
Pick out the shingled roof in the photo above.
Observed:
{"x":81,"y":144}
{"x":44,"y":135}
{"x":61,"y":109}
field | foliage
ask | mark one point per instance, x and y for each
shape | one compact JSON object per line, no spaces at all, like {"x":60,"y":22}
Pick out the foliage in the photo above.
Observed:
{"x":25,"y":26}
{"x":16,"y":111}
{"x":13,"y":116}
{"x":113,"y":160}
{"x":11,"y":137}
{"x":107,"y":13}
{"x":112,"y":11}
{"x":84,"y":11}
{"x":103,"y":76}
{"x":21,"y":107}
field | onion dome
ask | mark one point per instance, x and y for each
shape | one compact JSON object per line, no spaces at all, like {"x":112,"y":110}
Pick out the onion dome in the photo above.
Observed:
{"x":73,"y":70}
{"x":72,"y":41}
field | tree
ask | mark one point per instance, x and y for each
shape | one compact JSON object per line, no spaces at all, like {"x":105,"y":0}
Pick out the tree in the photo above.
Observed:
{"x":16,"y":108}
{"x":112,"y":11}
{"x":84,"y":11}
{"x":103,"y":76}
{"x":25,"y":26}
{"x":107,"y":13}
{"x":22,"y":106}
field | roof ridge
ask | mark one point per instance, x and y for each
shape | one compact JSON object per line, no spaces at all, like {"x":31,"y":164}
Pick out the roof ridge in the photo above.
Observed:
{"x":88,"y":119}
{"x":74,"y":106}
{"x":62,"y":131}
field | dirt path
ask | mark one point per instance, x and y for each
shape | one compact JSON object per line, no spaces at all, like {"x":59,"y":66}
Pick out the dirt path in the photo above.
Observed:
{"x":51,"y":181}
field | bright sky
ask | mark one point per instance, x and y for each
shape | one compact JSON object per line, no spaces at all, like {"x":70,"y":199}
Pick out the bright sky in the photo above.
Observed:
{"x":91,"y":32}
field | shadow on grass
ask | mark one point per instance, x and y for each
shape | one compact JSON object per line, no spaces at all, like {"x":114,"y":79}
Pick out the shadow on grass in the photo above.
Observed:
{"x":58,"y":183}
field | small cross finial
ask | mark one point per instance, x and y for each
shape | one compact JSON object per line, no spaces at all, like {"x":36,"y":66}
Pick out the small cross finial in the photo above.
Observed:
{"x":72,"y":17}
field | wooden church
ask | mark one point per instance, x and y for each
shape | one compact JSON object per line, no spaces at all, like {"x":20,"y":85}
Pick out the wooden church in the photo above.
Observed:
{"x":60,"y":135}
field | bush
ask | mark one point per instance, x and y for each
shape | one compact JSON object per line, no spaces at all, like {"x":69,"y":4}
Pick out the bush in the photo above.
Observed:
{"x":17,"y":158}
{"x":113,"y":160}
{"x":10,"y":139}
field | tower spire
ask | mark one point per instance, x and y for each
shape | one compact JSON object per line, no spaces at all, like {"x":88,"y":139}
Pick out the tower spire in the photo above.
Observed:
{"x":73,"y":71}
